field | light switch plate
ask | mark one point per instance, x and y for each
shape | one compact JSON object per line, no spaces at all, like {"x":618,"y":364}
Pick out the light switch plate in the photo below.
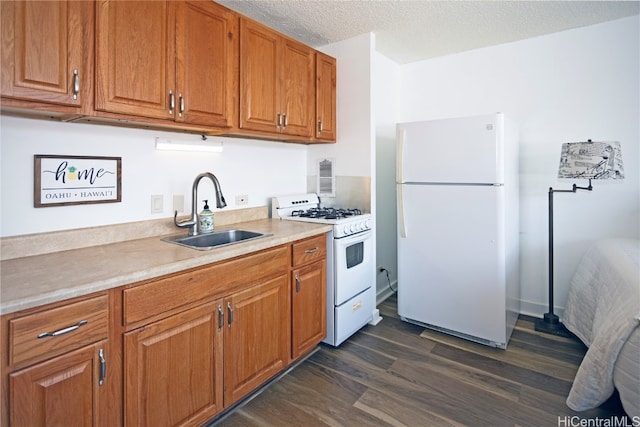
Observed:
{"x":178,"y":202}
{"x":156,"y":203}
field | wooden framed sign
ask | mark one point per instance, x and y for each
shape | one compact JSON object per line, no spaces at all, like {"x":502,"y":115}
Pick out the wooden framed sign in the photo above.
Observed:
{"x":76,"y":180}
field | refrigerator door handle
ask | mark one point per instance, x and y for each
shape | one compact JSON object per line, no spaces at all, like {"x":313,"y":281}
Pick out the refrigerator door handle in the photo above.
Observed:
{"x":402,"y":134}
{"x":401,"y":226}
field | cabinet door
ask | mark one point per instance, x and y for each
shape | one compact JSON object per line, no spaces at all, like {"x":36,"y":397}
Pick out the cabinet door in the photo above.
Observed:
{"x":259,"y":71}
{"x":325,"y":97}
{"x":207,"y":80}
{"x":298,"y":89}
{"x":173,"y":369}
{"x":135,"y":58}
{"x":257,"y":337}
{"x":46,"y":49}
{"x":64,"y":391}
{"x":309,"y":315}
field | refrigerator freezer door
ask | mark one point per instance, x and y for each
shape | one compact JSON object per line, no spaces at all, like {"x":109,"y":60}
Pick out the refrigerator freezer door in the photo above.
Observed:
{"x":459,"y":150}
{"x":451,"y":264}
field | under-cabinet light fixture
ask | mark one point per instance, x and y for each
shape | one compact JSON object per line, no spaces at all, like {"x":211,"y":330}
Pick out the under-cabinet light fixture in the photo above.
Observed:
{"x":204,"y":146}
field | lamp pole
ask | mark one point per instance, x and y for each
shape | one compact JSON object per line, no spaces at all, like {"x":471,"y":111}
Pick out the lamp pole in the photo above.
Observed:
{"x":550,"y":323}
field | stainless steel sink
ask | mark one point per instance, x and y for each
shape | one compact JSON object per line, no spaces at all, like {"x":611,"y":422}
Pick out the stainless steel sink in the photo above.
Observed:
{"x":216,"y":239}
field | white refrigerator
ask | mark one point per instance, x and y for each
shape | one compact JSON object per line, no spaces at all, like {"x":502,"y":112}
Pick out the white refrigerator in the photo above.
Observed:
{"x":458,"y":256}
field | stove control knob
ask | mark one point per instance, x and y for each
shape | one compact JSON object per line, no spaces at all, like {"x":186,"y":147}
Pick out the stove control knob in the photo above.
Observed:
{"x":345,"y":229}
{"x":352,"y":228}
{"x":367,"y":224}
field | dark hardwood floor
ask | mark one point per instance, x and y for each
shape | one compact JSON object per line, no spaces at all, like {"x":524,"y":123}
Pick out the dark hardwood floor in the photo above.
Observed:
{"x":403,"y":375}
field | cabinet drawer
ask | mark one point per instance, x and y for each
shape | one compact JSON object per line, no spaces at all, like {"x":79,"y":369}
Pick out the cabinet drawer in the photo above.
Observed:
{"x":309,"y":250}
{"x":156,"y":298}
{"x":42,"y":335}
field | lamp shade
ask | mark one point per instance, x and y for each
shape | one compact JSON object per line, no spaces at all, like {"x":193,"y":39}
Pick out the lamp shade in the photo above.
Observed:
{"x":591,"y":160}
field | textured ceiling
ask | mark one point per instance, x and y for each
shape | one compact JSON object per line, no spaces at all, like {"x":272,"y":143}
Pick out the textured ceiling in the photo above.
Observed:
{"x":411,"y":30}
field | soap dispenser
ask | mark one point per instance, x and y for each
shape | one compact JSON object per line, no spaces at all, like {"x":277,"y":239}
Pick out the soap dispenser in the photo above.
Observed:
{"x":206,"y":219}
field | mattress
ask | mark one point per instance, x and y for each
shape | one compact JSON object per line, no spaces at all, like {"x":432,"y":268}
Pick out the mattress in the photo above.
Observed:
{"x":603,"y":310}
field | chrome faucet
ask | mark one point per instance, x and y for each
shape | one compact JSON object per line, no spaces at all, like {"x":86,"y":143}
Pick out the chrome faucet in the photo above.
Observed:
{"x":193,"y":224}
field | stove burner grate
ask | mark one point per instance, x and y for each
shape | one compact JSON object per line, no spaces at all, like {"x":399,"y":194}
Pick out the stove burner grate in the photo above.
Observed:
{"x":326,"y":213}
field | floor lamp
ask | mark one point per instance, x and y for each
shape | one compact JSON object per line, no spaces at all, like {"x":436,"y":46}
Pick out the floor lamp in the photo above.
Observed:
{"x":578,"y":160}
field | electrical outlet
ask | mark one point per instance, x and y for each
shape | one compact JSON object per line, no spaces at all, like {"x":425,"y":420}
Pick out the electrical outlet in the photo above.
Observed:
{"x":156,"y":203}
{"x":242,"y":200}
{"x":178,"y":202}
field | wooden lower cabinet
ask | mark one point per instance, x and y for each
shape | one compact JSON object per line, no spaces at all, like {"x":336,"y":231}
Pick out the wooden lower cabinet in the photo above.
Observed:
{"x":257,"y":337}
{"x":176,"y":369}
{"x":63,"y":391}
{"x":184,"y":368}
{"x":176,"y":350}
{"x":309,"y":315}
{"x":173,"y":369}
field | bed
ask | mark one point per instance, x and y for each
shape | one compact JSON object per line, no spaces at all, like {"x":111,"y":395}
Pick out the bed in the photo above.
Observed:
{"x":603,"y":310}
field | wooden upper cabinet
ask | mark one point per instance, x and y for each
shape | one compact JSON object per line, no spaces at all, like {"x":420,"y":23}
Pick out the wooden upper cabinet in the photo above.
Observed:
{"x":259,"y":72}
{"x":206,"y":63}
{"x":325,"y":97}
{"x":135,"y":71}
{"x":47,"y":51}
{"x":298,"y":88}
{"x":167,"y":60}
{"x":276,"y":82}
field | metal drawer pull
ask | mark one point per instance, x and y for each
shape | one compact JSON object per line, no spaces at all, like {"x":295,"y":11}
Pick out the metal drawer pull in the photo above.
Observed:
{"x":220,"y":317}
{"x":172,"y":102}
{"x":319,"y":126}
{"x":76,"y":84}
{"x":64,"y":330}
{"x":286,"y":120}
{"x":279,"y":122}
{"x":310,"y":251}
{"x":297,"y":284}
{"x":181,"y":110}
{"x":103,"y":367}
{"x":230,"y":313}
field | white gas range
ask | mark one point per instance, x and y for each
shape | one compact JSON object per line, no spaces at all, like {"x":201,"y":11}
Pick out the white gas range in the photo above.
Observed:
{"x":350,"y":270}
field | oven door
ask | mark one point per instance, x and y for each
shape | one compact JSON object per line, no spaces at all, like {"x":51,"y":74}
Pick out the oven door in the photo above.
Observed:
{"x":353,"y":265}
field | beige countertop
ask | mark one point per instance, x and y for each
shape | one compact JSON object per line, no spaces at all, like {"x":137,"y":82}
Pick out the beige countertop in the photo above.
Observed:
{"x":32,"y":281}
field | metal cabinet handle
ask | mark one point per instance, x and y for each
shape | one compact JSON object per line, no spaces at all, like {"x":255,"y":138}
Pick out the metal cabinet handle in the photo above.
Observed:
{"x":220,"y":317}
{"x":311,"y":251}
{"x":230,"y":313}
{"x":320,"y":126}
{"x":279,"y":122}
{"x":286,"y":120}
{"x":76,"y":84}
{"x":63,"y":330}
{"x":181,"y":110}
{"x":103,"y":367}
{"x":172,"y":102}
{"x":298,"y":284}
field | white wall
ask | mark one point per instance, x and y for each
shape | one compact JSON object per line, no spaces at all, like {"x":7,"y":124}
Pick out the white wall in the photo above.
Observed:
{"x":569,"y":86}
{"x":259,"y":169}
{"x":386,"y":87}
{"x":354,"y":106}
